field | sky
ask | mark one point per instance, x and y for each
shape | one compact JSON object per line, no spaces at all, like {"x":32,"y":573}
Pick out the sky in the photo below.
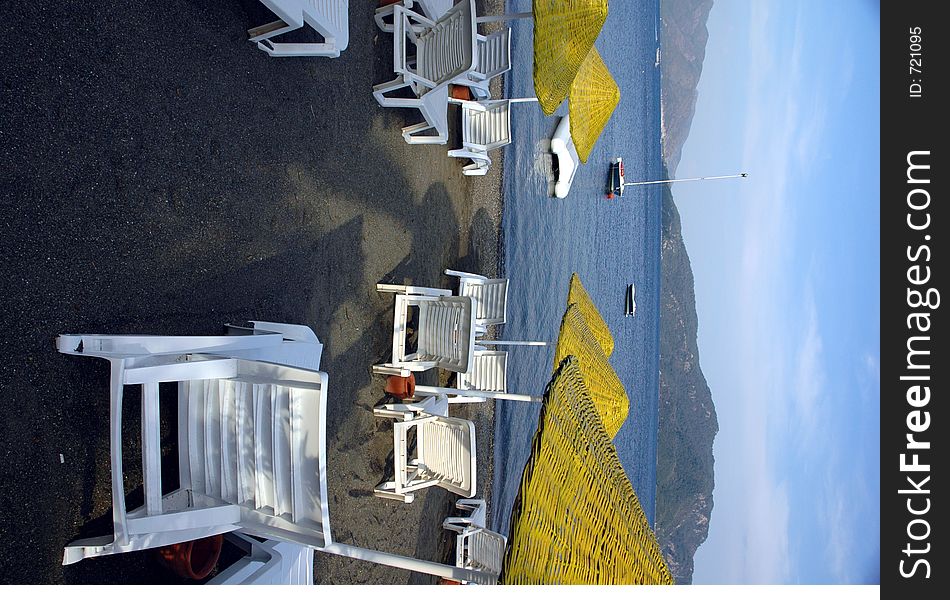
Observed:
{"x":786,"y":265}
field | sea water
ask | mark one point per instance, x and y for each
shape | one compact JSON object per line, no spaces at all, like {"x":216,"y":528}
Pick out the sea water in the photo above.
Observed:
{"x":609,"y":243}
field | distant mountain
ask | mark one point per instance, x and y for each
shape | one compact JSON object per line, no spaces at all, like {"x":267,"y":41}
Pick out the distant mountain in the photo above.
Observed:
{"x":683,"y":41}
{"x":687,"y":420}
{"x":688,"y":425}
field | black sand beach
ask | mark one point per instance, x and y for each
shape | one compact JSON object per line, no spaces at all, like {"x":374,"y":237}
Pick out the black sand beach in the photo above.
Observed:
{"x":162,"y":175}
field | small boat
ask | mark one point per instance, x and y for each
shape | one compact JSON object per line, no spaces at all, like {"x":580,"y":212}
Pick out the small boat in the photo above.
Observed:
{"x":615,"y":187}
{"x":657,"y":63}
{"x":631,"y":303}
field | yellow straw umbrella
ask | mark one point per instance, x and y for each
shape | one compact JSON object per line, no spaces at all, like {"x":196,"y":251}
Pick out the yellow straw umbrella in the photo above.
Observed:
{"x":593,"y":97}
{"x":577,"y":519}
{"x":577,"y":294}
{"x":564,"y":33}
{"x":605,"y":388}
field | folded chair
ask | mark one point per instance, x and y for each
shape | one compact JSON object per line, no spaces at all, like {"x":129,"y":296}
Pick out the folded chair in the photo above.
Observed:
{"x":444,"y":51}
{"x":251,"y":436}
{"x":329,"y":17}
{"x":445,"y":332}
{"x":444,"y":456}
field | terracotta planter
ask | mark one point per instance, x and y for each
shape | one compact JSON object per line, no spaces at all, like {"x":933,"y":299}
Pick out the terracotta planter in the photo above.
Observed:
{"x":401,"y":387}
{"x":192,"y":560}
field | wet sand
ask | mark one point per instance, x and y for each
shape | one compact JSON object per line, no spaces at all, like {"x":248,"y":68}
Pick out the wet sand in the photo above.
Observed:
{"x":162,"y":175}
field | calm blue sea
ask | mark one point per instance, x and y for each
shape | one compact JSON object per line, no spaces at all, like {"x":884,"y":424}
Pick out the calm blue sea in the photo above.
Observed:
{"x":609,"y":243}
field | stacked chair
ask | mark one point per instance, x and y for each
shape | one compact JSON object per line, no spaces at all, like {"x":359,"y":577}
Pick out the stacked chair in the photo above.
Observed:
{"x":445,"y":49}
{"x":434,"y":47}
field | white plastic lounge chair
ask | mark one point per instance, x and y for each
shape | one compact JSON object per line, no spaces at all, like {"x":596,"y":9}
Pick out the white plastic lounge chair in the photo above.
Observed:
{"x":267,"y":562}
{"x":329,"y":17}
{"x":481,"y":549}
{"x":494,"y":59}
{"x":562,"y":145}
{"x":491,"y":296}
{"x":445,"y":456}
{"x":445,"y":332}
{"x":431,"y":8}
{"x":251,"y":439}
{"x":477,"y":515}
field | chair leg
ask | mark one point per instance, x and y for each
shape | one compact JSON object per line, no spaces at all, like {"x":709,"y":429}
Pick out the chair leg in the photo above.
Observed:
{"x":380,"y":90}
{"x":388,"y":490}
{"x":88,"y":548}
{"x":381,"y":14}
{"x":328,"y":49}
{"x":411,"y":135}
{"x":271,"y":29}
{"x":456,"y":524}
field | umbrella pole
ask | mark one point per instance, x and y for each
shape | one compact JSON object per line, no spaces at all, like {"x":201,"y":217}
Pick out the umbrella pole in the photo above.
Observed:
{"x":478,"y":395}
{"x":410,"y":563}
{"x":511,"y":343}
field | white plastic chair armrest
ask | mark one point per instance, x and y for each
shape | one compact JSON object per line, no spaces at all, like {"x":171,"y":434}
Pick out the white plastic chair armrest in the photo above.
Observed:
{"x":411,"y":290}
{"x":390,"y":370}
{"x":417,"y":365}
{"x":465,"y":275}
{"x":469,"y":104}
